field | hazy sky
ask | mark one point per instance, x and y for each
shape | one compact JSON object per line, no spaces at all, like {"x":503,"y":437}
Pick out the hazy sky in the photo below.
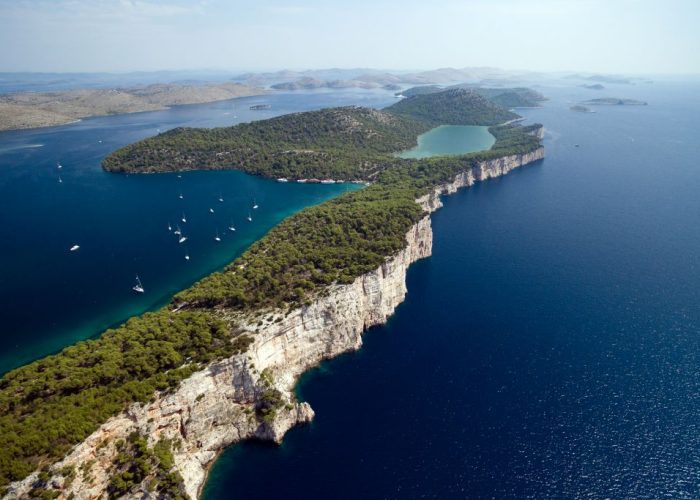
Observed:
{"x":616,"y":36}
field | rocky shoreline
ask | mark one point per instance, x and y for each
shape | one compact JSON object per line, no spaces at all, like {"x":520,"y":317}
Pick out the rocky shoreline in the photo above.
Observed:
{"x":216,"y":407}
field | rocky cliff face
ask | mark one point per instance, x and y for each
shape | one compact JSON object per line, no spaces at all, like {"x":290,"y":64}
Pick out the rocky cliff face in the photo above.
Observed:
{"x":216,"y":407}
{"x":482,"y":171}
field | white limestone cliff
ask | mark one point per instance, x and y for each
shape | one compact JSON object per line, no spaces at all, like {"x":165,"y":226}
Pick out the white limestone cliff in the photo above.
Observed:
{"x":215,"y":407}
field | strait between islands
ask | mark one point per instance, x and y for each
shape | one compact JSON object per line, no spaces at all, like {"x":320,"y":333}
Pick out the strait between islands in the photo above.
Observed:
{"x":144,"y":410}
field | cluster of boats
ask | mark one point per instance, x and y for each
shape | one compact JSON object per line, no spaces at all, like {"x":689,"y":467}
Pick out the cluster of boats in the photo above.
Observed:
{"x":179,"y":233}
{"x":181,"y":238}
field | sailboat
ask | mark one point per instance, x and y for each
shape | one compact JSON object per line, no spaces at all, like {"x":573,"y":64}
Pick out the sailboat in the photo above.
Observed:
{"x":255,"y":205}
{"x":187,"y":255}
{"x":181,"y":197}
{"x":59,"y":179}
{"x":211,"y":210}
{"x":138,"y":287}
{"x":182,"y":238}
{"x":170,"y":228}
{"x":177,"y":230}
{"x":184,"y":219}
{"x":221,"y":198}
{"x":217,"y":238}
{"x":74,"y":248}
{"x":250,"y":219}
{"x":59,"y":165}
{"x":232,"y":228}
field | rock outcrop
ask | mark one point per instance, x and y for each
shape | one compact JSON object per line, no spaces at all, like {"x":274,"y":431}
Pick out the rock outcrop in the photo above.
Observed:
{"x":218,"y":406}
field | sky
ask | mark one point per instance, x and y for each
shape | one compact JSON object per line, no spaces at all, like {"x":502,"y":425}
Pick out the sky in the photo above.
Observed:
{"x":610,"y":36}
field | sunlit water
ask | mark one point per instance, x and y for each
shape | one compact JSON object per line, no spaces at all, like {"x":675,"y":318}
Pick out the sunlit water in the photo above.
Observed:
{"x":51,"y":297}
{"x":550,"y":347}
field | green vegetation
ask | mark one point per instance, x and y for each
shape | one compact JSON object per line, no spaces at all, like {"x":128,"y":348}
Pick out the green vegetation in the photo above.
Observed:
{"x":334,"y":143}
{"x":452,"y":107}
{"x":50,"y":405}
{"x":420,"y":90}
{"x":515,"y":97}
{"x":136,"y":462}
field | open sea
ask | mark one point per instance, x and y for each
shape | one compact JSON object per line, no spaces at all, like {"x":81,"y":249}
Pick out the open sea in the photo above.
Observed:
{"x":550,"y":347}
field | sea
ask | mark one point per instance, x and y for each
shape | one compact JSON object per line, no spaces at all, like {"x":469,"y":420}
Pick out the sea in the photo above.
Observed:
{"x":549,"y":348}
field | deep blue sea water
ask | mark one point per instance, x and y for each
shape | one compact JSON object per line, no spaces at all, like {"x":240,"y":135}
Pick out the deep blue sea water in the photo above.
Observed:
{"x":51,"y":297}
{"x":550,"y":347}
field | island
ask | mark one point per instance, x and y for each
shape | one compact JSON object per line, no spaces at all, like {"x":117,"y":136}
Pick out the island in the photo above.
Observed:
{"x":581,"y":109}
{"x":507,"y":97}
{"x":143,"y":410}
{"x":593,"y":86}
{"x":309,"y":83}
{"x":614,"y":101}
{"x":42,"y":109}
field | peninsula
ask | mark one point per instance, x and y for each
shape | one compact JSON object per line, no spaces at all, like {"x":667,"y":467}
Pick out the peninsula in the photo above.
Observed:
{"x":144,"y":410}
{"x":42,"y":109}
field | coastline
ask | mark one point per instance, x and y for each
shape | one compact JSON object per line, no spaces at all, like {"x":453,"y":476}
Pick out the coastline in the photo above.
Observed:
{"x":202,"y":415}
{"x":27,"y":110}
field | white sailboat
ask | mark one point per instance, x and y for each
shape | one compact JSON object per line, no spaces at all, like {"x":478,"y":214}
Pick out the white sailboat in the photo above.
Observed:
{"x":74,"y":248}
{"x":170,"y":228}
{"x":232,"y":228}
{"x":60,"y":181}
{"x":182,"y":238}
{"x":181,"y":197}
{"x":187,"y":255}
{"x":221,"y":198}
{"x":177,"y":231}
{"x":255,"y":205}
{"x":250,"y":219}
{"x":211,"y":210}
{"x":59,"y":165}
{"x":138,"y":287}
{"x":217,"y":238}
{"x":184,"y":219}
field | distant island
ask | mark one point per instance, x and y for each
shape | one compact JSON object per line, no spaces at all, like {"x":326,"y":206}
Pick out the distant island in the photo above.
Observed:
{"x":309,"y":83}
{"x":369,"y":78}
{"x":42,"y":109}
{"x":594,"y":86}
{"x":507,"y":97}
{"x":612,"y":79}
{"x":144,"y":409}
{"x":614,"y":101}
{"x":581,"y":109}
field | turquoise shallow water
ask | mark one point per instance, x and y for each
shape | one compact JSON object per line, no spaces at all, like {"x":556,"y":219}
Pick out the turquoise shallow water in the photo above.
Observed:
{"x":550,"y":347}
{"x":51,"y":297}
{"x":448,"y":140}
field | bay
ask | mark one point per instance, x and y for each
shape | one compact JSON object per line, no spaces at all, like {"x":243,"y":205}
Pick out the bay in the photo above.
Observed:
{"x":51,"y":297}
